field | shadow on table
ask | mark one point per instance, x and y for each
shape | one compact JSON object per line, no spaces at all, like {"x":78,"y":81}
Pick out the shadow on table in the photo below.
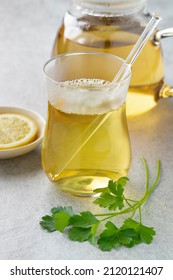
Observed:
{"x":24,"y":165}
{"x":153,"y":130}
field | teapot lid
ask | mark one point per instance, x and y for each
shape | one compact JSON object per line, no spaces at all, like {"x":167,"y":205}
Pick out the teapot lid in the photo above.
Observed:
{"x":111,"y":6}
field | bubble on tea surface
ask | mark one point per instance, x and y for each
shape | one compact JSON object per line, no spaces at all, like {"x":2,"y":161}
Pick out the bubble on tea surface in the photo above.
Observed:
{"x":85,"y":83}
{"x":88,"y":96}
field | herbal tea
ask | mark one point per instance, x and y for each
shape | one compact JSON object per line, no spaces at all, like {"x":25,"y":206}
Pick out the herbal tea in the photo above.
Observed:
{"x":86,"y":139}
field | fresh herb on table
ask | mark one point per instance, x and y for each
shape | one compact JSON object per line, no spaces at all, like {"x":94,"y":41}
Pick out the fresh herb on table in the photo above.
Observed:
{"x":85,"y":225}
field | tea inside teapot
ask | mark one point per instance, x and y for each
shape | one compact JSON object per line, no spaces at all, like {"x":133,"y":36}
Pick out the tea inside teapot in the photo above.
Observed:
{"x":114,"y":27}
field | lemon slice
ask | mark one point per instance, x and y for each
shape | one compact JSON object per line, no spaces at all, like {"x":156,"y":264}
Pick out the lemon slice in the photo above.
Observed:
{"x":16,"y":130}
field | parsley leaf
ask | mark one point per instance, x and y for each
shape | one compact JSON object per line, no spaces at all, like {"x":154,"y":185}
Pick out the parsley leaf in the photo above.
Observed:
{"x":80,"y":234}
{"x":112,"y":196}
{"x":144,"y":234}
{"x":47,"y":223}
{"x":66,"y":209}
{"x":112,"y":237}
{"x":116,"y":188}
{"x":106,"y":200}
{"x":109,"y":237}
{"x":127,"y":236}
{"x":84,"y":234}
{"x":122,"y":181}
{"x":61,"y":220}
{"x":84,"y":220}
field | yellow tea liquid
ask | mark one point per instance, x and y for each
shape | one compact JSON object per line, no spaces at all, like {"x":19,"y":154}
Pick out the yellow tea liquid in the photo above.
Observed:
{"x":82,"y":151}
{"x":106,"y":36}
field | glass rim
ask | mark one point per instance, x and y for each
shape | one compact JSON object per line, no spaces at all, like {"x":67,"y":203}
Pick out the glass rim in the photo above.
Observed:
{"x":82,"y":53}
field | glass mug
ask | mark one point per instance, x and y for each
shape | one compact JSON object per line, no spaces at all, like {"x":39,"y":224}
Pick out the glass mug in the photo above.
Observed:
{"x":113,"y":26}
{"x":86,"y":141}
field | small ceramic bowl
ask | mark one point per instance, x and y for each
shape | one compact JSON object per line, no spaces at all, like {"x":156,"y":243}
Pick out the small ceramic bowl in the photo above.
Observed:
{"x":10,"y":153}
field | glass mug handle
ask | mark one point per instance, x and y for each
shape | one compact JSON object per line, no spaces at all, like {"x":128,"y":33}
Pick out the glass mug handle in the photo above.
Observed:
{"x":165,"y":91}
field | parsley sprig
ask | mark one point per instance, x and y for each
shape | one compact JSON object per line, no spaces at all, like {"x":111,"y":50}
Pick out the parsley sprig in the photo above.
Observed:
{"x":85,"y":226}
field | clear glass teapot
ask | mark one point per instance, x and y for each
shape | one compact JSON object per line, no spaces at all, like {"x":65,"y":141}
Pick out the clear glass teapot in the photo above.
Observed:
{"x":113,"y":26}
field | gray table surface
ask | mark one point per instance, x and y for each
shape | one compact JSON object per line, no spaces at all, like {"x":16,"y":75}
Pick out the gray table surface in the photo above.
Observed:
{"x":27,"y":32}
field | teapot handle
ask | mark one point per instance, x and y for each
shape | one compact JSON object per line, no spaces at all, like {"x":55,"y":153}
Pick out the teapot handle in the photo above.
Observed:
{"x":165,"y":91}
{"x":161,"y":34}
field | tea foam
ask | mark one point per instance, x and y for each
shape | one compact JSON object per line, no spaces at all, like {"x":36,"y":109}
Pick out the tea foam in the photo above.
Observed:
{"x":88,"y":96}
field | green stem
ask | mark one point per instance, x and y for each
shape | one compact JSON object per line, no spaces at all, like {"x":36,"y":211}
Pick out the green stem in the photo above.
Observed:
{"x":156,"y":179}
{"x":127,"y":201}
{"x":132,"y":200}
{"x":133,"y":214}
{"x":146,"y":175}
{"x":149,"y":192}
{"x":140,"y":215}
